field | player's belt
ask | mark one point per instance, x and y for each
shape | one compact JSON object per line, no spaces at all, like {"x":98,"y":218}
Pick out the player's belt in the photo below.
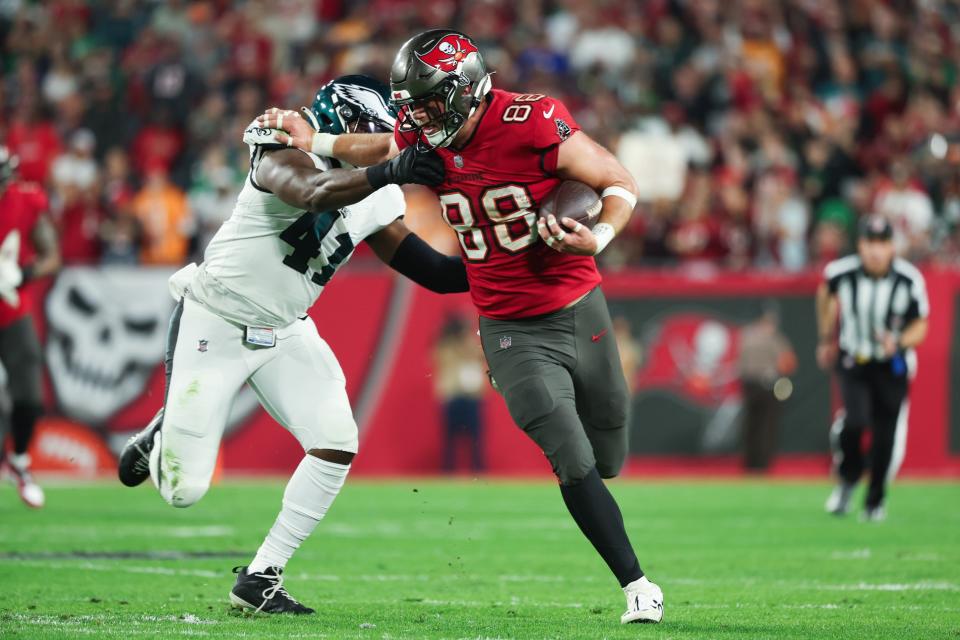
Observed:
{"x":260,"y":336}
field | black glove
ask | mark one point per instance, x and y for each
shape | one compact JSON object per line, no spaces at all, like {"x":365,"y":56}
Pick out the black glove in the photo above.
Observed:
{"x":409,"y":167}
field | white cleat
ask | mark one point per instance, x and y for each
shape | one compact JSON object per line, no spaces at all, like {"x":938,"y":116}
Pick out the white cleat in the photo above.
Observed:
{"x":838,"y":502}
{"x":875,"y":514}
{"x":17,"y":468}
{"x":644,"y":602}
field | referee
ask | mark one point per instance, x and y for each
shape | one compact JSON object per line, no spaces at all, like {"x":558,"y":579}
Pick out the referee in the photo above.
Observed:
{"x":882,"y":305}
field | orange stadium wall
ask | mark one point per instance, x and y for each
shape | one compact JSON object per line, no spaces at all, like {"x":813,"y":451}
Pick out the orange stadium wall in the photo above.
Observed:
{"x":103,"y":332}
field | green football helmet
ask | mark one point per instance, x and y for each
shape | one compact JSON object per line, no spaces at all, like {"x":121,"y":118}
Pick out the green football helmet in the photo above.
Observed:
{"x":352,"y":104}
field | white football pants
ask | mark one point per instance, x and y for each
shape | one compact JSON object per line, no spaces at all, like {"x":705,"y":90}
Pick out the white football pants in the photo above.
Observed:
{"x":298,"y":381}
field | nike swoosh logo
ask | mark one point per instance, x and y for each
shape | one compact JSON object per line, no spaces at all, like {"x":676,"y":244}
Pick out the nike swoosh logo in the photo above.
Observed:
{"x":547,"y":114}
{"x":597,"y":337}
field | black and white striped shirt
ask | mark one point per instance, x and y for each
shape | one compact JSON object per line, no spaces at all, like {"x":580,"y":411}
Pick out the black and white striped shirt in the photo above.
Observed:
{"x":869,"y":306}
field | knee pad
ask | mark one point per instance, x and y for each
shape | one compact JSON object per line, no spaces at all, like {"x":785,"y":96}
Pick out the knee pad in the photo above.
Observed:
{"x":529,"y":400}
{"x":555,"y":427}
{"x":572,"y":462}
{"x":176,"y":485}
{"x":183,"y":493}
{"x":610,"y":466}
{"x":614,"y":412}
{"x":610,"y":448}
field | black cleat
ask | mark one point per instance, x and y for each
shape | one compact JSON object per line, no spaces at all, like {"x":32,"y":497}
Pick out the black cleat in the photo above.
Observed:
{"x":264,"y":592}
{"x":134,"y":465}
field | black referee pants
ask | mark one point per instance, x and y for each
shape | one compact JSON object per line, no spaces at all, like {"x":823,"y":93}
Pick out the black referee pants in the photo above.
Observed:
{"x":874,"y":397}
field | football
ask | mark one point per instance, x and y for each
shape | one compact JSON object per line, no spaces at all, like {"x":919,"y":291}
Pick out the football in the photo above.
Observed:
{"x":574,"y":200}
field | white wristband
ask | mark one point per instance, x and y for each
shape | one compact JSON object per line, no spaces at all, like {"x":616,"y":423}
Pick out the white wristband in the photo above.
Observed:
{"x":322,"y":144}
{"x":620,"y":192}
{"x":603,"y":233}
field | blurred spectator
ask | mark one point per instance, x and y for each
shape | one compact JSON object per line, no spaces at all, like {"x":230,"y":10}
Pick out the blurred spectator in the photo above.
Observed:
{"x":758,"y":132}
{"x":34,"y":139}
{"x":171,"y":85}
{"x":658,"y":152}
{"x":77,"y":212}
{"x":116,"y":189}
{"x":601,"y":43}
{"x":212,"y":196}
{"x":79,"y":223}
{"x":904,"y":202}
{"x":696,"y":235}
{"x":781,"y":220}
{"x":251,"y":51}
{"x":162,"y":210}
{"x":765,"y":356}
{"x":631,"y":351}
{"x":460,"y":384}
{"x":158,"y":144}
{"x":105,"y":118}
{"x":76,"y":168}
{"x":121,"y":240}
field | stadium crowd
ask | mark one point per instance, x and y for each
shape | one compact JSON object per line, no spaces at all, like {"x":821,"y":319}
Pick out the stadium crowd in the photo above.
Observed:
{"x":758,"y":131}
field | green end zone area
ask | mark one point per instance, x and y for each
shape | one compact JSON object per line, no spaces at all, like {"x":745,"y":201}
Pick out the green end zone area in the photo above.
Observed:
{"x":484,"y":559}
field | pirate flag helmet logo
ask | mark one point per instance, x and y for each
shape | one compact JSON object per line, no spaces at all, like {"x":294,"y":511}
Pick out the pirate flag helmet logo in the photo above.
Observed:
{"x":437,"y":81}
{"x":449,"y":53}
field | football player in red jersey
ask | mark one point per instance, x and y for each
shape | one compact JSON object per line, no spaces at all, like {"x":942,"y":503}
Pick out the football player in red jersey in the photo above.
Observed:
{"x":544,"y":323}
{"x":28,"y":250}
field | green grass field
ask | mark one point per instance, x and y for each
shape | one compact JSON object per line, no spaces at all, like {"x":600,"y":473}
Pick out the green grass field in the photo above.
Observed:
{"x":478,"y":559}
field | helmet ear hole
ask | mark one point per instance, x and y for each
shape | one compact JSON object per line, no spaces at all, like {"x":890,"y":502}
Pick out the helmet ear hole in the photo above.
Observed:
{"x":327,"y":122}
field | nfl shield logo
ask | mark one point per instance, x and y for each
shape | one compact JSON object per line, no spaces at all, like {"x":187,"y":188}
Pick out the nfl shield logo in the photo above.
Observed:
{"x":505,"y":342}
{"x":202,"y":346}
{"x":458,"y":162}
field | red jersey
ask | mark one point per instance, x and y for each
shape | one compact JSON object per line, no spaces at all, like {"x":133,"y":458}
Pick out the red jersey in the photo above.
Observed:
{"x":36,"y":144}
{"x":21,"y":205}
{"x":490,"y":195}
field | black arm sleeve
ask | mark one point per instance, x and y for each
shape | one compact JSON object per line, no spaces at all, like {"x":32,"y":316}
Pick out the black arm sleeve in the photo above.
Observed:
{"x":429,"y":268}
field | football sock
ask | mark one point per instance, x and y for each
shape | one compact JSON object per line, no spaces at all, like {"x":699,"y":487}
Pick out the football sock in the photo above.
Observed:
{"x":20,"y":461}
{"x":23,"y":418}
{"x":309,"y":494}
{"x":599,"y":518}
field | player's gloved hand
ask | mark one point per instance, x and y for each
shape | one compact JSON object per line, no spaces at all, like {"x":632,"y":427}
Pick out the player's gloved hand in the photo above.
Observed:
{"x":409,"y":167}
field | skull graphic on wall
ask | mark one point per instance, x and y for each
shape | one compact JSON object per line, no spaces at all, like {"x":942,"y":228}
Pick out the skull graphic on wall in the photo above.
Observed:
{"x":106,"y":334}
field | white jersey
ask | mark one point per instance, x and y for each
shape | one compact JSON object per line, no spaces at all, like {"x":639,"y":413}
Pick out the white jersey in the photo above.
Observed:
{"x":270,"y":261}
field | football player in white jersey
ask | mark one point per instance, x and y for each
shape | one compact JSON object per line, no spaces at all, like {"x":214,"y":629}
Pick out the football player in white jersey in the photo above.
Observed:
{"x":242,"y":317}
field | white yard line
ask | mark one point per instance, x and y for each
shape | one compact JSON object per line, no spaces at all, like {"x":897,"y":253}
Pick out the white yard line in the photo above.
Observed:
{"x":136,"y":625}
{"x":855,"y":554}
{"x":117,"y":568}
{"x":29,"y":532}
{"x":123,"y":567}
{"x":891,"y":586}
